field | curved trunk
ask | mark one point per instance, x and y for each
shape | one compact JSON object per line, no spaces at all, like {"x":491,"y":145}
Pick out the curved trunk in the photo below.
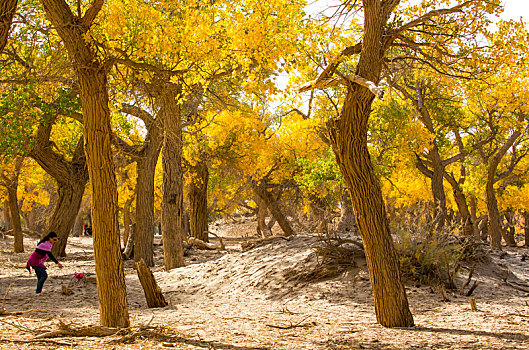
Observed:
{"x":71,"y":178}
{"x":146,"y":169}
{"x":172,"y":201}
{"x":349,"y":141}
{"x":262,"y":227}
{"x":198,"y":201}
{"x":64,"y":214}
{"x":272,"y":205}
{"x":18,"y":245}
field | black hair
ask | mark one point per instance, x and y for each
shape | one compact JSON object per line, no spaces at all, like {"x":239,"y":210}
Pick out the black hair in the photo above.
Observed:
{"x":47,"y":237}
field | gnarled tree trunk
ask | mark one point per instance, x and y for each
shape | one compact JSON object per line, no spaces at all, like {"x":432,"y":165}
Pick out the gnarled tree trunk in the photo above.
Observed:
{"x":348,"y":134}
{"x":71,"y":177}
{"x":173,"y":183}
{"x":91,"y":75}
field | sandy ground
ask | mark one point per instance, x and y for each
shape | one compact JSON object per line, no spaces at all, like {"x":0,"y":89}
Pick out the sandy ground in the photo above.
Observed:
{"x":261,"y":299}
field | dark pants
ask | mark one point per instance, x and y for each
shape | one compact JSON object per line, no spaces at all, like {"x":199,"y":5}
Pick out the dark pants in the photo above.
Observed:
{"x":42,"y":275}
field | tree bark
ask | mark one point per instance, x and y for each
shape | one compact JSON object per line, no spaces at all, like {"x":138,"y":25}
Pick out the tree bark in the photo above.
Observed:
{"x":146,"y":169}
{"x":153,"y":293}
{"x":198,"y":201}
{"x":7,"y":11}
{"x":347,"y":218}
{"x":348,"y":134}
{"x":92,"y":80}
{"x":8,"y":224}
{"x":509,"y":231}
{"x":172,"y":201}
{"x":18,"y":245}
{"x":438,"y":191}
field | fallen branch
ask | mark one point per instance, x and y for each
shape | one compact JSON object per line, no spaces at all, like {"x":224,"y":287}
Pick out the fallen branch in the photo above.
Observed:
{"x":3,"y":311}
{"x":45,"y":341}
{"x":294,"y":325}
{"x":200,"y":244}
{"x":518,"y":287}
{"x":86,"y":331}
{"x":222,"y":246}
{"x":245,"y":246}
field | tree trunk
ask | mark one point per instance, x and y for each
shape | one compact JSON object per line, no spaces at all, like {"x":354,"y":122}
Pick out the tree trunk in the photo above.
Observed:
{"x":347,"y":218}
{"x":509,"y":231}
{"x":7,"y":11}
{"x":153,"y":293}
{"x":484,"y":229}
{"x":466,"y":218}
{"x":349,"y":140}
{"x":262,"y":227}
{"x":198,"y":201}
{"x":474,"y":216}
{"x":18,"y":246}
{"x":146,"y":169}
{"x":273,"y":207}
{"x":8,"y":223}
{"x":66,"y":209}
{"x":526,"y":227}
{"x":71,"y":177}
{"x":438,"y":191}
{"x":172,"y":201}
{"x":78,"y":225}
{"x":127,"y":221}
{"x":493,"y":226}
{"x":92,"y":79}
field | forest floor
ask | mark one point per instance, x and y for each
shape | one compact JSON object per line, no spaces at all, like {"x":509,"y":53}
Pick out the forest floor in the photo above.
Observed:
{"x":263,"y":298}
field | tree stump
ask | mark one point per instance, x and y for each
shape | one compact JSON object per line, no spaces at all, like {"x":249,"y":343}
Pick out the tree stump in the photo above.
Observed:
{"x":153,"y":293}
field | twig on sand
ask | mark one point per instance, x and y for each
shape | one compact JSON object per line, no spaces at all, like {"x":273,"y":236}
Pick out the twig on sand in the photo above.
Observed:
{"x":294,"y":325}
{"x":45,"y":341}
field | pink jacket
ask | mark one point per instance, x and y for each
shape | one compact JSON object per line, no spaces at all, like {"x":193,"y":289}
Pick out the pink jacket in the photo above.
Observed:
{"x":37,"y":259}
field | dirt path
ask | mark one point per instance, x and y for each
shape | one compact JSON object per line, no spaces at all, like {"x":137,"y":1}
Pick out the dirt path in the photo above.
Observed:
{"x":260,"y":299}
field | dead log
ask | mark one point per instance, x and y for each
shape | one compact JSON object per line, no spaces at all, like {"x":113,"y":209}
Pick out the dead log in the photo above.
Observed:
{"x":153,"y":293}
{"x":199,"y":244}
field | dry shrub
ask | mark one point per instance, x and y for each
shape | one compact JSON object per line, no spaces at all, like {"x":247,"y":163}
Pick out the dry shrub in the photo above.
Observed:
{"x":332,"y":256}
